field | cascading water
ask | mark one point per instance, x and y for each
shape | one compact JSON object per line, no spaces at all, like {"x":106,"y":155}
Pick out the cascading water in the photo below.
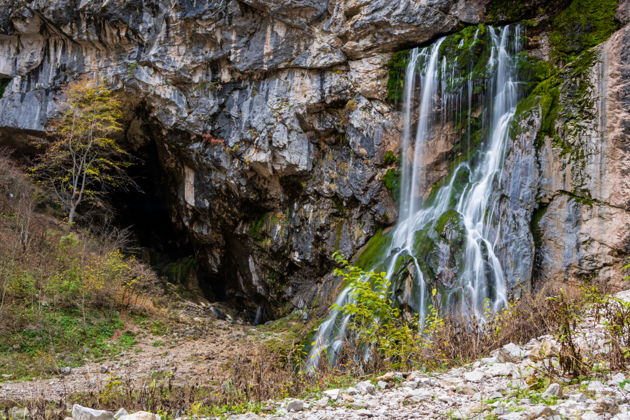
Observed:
{"x":445,"y":240}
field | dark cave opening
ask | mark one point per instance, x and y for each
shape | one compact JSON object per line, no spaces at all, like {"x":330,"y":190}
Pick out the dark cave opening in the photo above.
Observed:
{"x":155,"y":238}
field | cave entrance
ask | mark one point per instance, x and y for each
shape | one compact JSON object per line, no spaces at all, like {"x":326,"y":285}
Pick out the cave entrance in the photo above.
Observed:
{"x":155,"y":239}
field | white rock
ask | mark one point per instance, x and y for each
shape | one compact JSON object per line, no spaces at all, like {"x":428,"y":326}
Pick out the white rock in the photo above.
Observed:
{"x":84,"y":413}
{"x":474,"y":376}
{"x":350,"y":391}
{"x":366,"y":387}
{"x":322,"y":402}
{"x":382,"y":384}
{"x":295,"y":405}
{"x":499,"y":411}
{"x":622,"y":416}
{"x":590,"y":415}
{"x":595,"y":386}
{"x":626,"y":387}
{"x":501,"y":369}
{"x":579,"y":397}
{"x":333,"y":394}
{"x":540,"y":411}
{"x":120,"y":413}
{"x":140,"y":415}
{"x":509,"y":353}
{"x":495,"y":395}
{"x":616,"y":379}
{"x":554,"y":390}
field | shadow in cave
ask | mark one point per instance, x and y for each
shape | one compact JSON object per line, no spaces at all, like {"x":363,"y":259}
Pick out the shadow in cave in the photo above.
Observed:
{"x":156,"y":240}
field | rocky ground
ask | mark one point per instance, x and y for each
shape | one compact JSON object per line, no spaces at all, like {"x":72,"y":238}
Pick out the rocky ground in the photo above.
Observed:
{"x":514,"y":383}
{"x":194,"y":345}
{"x":506,"y":386}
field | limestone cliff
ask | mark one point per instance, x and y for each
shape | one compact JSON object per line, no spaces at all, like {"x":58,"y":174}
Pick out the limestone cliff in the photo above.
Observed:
{"x":272,"y":124}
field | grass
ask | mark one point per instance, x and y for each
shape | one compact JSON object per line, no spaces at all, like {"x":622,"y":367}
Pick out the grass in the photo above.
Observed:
{"x":55,"y":338}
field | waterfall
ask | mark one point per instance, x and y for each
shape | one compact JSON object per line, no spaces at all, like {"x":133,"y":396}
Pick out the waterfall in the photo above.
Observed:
{"x":444,"y":239}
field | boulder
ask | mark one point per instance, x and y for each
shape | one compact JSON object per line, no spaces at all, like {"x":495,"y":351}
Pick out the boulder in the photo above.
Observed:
{"x":365,"y":387}
{"x":509,"y":353}
{"x":84,"y":413}
{"x":295,"y":405}
{"x":333,"y":394}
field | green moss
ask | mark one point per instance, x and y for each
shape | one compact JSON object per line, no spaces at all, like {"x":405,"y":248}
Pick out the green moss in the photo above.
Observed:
{"x":373,"y":252}
{"x":3,"y":86}
{"x":395,"y":83}
{"x":391,"y":179}
{"x":585,"y":199}
{"x":390,"y":158}
{"x":522,"y":10}
{"x":469,"y":49}
{"x":450,"y":217}
{"x":584,"y":24}
{"x":506,"y":10}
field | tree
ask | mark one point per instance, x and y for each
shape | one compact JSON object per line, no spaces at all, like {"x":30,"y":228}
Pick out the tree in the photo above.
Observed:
{"x":83,"y":161}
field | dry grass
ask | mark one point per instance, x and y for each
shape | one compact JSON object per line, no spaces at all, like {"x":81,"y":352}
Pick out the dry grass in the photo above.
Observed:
{"x":60,"y":288}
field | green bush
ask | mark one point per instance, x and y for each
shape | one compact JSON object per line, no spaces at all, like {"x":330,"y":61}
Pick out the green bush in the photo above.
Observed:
{"x":378,"y":327}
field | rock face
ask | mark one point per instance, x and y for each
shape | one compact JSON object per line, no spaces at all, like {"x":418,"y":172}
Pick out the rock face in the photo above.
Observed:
{"x":271,"y":126}
{"x":269,"y":117}
{"x":583,"y":197}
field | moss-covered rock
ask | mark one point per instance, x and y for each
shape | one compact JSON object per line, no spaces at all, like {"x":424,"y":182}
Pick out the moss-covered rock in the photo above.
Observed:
{"x":583,"y":24}
{"x":391,"y":179}
{"x":396,"y":81}
{"x":375,"y":251}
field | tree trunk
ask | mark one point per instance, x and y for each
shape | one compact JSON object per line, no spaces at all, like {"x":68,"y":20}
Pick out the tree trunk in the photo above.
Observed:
{"x":72,"y":214}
